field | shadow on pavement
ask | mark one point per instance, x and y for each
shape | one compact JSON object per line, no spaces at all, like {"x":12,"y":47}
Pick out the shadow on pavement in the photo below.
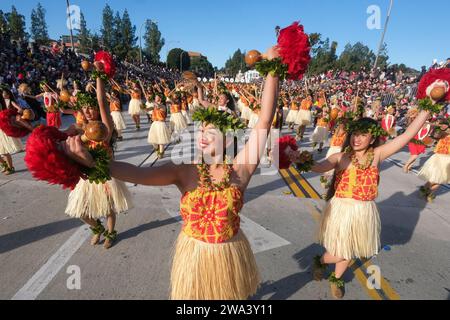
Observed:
{"x":11,"y":241}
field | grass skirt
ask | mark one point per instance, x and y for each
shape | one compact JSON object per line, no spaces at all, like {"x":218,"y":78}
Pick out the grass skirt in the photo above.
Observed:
{"x":9,"y":145}
{"x":204,"y":271}
{"x":253,"y":120}
{"x":187,"y":116}
{"x":90,"y":200}
{"x":350,"y":228}
{"x":119,"y":123}
{"x":246,"y":113}
{"x":292,"y":115}
{"x":134,"y":107}
{"x":304,"y":118}
{"x":178,"y":122}
{"x":320,"y":135}
{"x":436,"y":169}
{"x":159,"y":133}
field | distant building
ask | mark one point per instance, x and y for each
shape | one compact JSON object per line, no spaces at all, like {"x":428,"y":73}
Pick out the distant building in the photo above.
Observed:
{"x":251,"y":75}
{"x":193,"y":54}
{"x":68,"y":43}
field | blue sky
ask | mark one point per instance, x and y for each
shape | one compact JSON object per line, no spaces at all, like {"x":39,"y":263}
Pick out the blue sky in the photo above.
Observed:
{"x":417,"y":33}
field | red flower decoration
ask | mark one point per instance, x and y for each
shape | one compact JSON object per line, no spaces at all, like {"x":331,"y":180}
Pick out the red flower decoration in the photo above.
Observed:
{"x":45,"y":160}
{"x":6,"y":124}
{"x":284,"y":143}
{"x":429,"y":78}
{"x":109,"y":67}
{"x":294,"y":49}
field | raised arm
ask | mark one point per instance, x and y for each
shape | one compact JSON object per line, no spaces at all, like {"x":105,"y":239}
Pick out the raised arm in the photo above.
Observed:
{"x":105,"y":113}
{"x":387,"y":150}
{"x":248,"y":159}
{"x":201,"y":99}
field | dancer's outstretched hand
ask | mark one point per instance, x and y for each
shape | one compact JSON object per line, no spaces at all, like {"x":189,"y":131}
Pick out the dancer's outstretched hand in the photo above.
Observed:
{"x":73,"y":147}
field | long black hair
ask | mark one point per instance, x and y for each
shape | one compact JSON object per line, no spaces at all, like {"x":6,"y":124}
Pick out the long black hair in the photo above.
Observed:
{"x":363,"y":122}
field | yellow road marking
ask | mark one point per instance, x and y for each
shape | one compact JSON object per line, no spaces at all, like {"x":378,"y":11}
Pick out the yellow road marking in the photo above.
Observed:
{"x":313,"y":194}
{"x":292,"y":184}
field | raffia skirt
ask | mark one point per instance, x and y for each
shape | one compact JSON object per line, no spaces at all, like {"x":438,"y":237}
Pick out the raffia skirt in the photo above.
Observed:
{"x":285,"y":114}
{"x":319,"y":135}
{"x":437,"y":169}
{"x":292,"y":115}
{"x":135,"y":107}
{"x":90,"y":200}
{"x":178,"y":122}
{"x":187,"y":116}
{"x":253,"y":120}
{"x":246,"y":113}
{"x":159,"y":133}
{"x":9,"y":145}
{"x":205,"y":271}
{"x":303,"y":118}
{"x":119,"y":123}
{"x":350,"y":228}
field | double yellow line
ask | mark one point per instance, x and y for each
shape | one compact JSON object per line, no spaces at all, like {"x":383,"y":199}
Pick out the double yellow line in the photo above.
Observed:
{"x":301,"y":188}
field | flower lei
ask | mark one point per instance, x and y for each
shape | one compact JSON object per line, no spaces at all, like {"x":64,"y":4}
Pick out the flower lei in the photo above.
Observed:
{"x":100,"y":173}
{"x":205,"y":176}
{"x":355,"y":161}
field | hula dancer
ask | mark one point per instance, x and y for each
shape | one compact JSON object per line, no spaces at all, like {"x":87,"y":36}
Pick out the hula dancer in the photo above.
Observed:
{"x":51,"y":105}
{"x":159,"y":133}
{"x":177,"y":121}
{"x":304,"y":117}
{"x":320,"y":134}
{"x":350,"y":225}
{"x":8,"y":145}
{"x":115,"y":107}
{"x":417,"y":145}
{"x":436,"y":171}
{"x":135,"y":106}
{"x":292,"y":115}
{"x":90,"y":201}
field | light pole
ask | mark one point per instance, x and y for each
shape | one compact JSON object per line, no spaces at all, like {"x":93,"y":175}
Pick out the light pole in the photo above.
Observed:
{"x":70,"y":23}
{"x":140,"y":40}
{"x":384,"y":33}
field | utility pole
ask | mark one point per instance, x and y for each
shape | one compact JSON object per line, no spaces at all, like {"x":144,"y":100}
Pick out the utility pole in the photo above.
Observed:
{"x":384,"y":33}
{"x":70,"y":24}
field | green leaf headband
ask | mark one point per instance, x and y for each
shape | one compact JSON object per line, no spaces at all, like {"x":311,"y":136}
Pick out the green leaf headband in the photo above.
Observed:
{"x":86,"y":99}
{"x":221,"y":120}
{"x":366,"y":127}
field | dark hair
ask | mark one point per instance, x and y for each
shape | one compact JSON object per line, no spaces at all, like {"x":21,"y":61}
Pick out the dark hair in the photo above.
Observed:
{"x":375,"y":144}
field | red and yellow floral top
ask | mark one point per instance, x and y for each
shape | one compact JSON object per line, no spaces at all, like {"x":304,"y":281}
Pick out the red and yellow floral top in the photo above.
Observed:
{"x":443,"y":146}
{"x":211,"y":214}
{"x":358,"y":184}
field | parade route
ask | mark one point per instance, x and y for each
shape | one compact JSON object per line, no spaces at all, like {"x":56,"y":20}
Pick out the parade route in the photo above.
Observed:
{"x":40,"y":246}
